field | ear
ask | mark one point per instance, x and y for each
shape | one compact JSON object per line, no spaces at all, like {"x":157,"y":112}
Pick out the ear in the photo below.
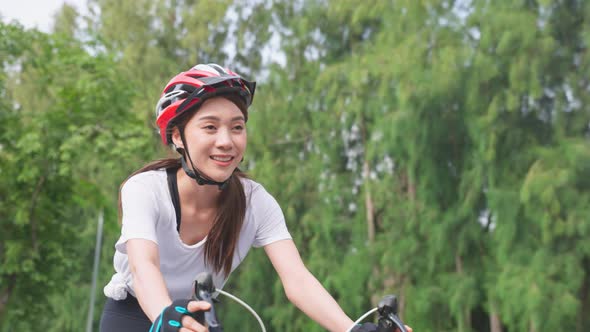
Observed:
{"x":176,"y":140}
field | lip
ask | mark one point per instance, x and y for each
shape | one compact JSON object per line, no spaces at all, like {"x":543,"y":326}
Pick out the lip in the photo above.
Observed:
{"x":222,"y":163}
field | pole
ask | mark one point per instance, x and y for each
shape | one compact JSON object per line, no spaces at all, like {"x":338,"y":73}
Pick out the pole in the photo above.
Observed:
{"x":95,"y":272}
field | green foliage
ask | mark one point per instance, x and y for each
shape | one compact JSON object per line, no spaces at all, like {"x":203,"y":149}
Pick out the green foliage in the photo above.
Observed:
{"x":438,"y":150}
{"x":66,"y":134}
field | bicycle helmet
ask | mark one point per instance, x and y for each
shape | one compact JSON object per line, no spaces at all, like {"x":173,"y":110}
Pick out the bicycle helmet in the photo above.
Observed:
{"x":188,"y":90}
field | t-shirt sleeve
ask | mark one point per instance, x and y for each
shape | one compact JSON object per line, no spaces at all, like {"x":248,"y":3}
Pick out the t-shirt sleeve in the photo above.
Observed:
{"x":139,"y":213}
{"x":271,"y":226}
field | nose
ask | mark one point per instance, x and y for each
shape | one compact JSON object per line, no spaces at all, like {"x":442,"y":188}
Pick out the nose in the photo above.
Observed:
{"x":224,"y":139}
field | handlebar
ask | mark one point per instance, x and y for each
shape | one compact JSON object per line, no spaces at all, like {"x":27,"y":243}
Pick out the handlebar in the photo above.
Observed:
{"x":388,"y":321}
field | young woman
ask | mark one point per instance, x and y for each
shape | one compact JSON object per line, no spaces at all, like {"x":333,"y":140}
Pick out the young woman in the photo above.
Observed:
{"x":181,"y":217}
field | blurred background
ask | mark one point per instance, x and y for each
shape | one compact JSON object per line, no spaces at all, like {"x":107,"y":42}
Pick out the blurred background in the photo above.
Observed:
{"x":437,"y":150}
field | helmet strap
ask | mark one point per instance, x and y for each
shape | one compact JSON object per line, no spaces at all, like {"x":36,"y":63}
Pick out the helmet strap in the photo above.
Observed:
{"x":194,"y":172}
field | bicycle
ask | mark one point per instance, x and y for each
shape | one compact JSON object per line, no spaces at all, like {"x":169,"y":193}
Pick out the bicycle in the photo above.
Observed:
{"x":388,"y":320}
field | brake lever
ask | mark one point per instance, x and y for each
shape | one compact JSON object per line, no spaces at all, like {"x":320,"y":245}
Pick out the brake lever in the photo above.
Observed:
{"x":388,"y":319}
{"x":204,"y":287}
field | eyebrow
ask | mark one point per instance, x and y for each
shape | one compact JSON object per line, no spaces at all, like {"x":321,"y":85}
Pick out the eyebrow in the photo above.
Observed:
{"x":214,"y":118}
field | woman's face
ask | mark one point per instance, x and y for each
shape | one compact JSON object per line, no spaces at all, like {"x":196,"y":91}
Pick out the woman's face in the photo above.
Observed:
{"x":216,"y":138}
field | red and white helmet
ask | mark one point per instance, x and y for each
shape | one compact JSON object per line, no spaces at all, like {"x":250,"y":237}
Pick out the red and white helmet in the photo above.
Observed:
{"x":188,"y":90}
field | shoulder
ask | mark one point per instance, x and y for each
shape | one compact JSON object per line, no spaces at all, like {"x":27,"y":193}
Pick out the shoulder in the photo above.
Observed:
{"x":149,"y":178}
{"x":145,"y":196}
{"x":257,"y":197}
{"x":250,"y":186}
{"x":264,"y":217}
{"x":152,"y":184}
{"x":255,"y":191}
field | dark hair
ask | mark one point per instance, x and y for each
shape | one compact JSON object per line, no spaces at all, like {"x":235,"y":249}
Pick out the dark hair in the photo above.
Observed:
{"x":231,"y":210}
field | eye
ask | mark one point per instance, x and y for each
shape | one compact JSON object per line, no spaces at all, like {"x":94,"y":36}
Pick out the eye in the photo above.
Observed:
{"x":209,"y":127}
{"x":239,"y":127}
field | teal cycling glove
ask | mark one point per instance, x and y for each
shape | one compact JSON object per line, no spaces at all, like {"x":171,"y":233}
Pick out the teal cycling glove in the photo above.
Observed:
{"x":170,"y":320}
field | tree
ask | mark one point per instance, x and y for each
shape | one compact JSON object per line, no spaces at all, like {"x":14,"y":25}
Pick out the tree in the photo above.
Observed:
{"x":64,"y":107}
{"x":436,"y":150}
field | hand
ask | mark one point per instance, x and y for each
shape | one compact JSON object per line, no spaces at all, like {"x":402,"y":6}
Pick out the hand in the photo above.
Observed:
{"x":182,"y":316}
{"x":191,"y":323}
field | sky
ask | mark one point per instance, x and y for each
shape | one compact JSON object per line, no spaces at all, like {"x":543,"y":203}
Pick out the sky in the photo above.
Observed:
{"x":39,"y":14}
{"x":35,"y":13}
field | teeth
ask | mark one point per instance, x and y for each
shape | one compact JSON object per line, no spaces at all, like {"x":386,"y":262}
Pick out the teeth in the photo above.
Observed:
{"x":221,"y":158}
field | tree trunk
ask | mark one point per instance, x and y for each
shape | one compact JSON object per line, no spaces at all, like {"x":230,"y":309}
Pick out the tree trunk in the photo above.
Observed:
{"x":495,"y":322}
{"x":411,"y":189}
{"x":6,"y":293}
{"x":32,"y":220}
{"x":369,"y":204}
{"x":533,"y":326}
{"x":583,"y":323}
{"x":370,"y":208}
{"x":465,"y":320}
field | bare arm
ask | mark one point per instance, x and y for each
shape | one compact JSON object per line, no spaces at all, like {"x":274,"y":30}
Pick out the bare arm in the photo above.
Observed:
{"x":148,"y":283}
{"x":303,"y":289}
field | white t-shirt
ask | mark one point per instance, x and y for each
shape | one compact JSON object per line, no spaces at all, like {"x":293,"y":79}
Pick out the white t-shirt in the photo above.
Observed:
{"x":148,"y":213}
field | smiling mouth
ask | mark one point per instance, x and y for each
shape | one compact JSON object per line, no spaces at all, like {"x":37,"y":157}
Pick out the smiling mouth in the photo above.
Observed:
{"x":222,"y":159}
